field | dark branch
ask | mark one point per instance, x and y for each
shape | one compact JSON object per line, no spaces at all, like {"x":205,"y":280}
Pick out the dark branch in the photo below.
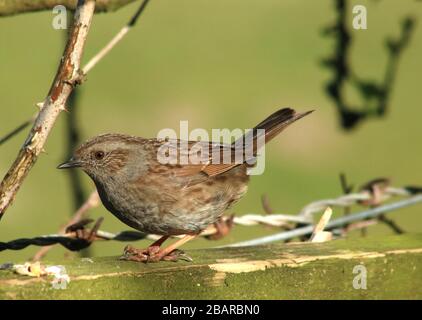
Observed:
{"x":15,"y":131}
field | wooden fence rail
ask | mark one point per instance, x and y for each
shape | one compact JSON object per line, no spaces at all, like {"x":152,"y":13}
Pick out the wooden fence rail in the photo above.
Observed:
{"x":388,"y":267}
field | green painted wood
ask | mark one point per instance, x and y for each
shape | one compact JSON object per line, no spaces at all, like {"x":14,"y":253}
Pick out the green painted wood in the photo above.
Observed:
{"x":279,"y":271}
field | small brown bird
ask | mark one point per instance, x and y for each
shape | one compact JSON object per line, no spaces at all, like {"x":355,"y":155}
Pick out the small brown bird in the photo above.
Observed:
{"x":168,"y":198}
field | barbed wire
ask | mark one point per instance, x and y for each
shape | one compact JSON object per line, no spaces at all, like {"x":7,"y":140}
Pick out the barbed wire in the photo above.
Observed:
{"x":336,"y":223}
{"x":77,"y":240}
{"x":351,"y":199}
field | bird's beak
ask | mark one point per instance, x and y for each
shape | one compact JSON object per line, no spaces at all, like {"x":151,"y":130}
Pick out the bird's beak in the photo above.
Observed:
{"x":71,"y":163}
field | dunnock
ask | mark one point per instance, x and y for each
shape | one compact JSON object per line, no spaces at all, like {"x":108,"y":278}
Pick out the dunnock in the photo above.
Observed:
{"x":171,"y":198}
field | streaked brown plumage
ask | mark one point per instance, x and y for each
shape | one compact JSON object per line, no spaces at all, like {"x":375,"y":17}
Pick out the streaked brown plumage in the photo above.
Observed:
{"x":166,"y":199}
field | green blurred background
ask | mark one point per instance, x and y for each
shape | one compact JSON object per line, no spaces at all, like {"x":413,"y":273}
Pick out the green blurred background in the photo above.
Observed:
{"x":218,"y":64}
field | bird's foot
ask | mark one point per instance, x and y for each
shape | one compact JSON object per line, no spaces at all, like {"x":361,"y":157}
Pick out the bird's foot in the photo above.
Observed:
{"x":174,"y":256}
{"x":153,"y":254}
{"x":134,"y":254}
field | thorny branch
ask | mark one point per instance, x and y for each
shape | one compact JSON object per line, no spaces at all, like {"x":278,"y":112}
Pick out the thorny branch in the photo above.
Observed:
{"x":91,"y":63}
{"x":67,"y":77}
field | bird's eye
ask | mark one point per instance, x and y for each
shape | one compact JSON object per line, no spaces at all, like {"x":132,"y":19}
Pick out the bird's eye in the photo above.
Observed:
{"x":99,"y":155}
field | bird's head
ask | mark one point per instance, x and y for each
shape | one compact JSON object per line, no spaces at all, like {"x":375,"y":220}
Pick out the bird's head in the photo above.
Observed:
{"x":104,"y":155}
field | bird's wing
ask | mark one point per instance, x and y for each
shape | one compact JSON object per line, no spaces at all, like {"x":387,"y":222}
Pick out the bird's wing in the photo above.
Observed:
{"x":193,"y":158}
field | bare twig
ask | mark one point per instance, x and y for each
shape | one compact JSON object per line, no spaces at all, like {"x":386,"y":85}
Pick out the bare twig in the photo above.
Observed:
{"x":266,"y":204}
{"x":359,"y":225}
{"x":391,"y":223}
{"x":376,"y":188}
{"x":93,"y":201}
{"x":12,"y":7}
{"x":104,"y":4}
{"x":347,"y":188}
{"x":116,"y":39}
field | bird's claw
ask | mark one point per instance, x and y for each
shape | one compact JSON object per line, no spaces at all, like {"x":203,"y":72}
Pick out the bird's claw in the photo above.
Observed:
{"x":177,"y":255}
{"x":133,"y":254}
{"x":152,"y":254}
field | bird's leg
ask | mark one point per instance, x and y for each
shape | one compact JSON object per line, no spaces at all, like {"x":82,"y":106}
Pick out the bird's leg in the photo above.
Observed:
{"x":134,"y":254}
{"x":171,"y":253}
{"x":155,"y":247}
